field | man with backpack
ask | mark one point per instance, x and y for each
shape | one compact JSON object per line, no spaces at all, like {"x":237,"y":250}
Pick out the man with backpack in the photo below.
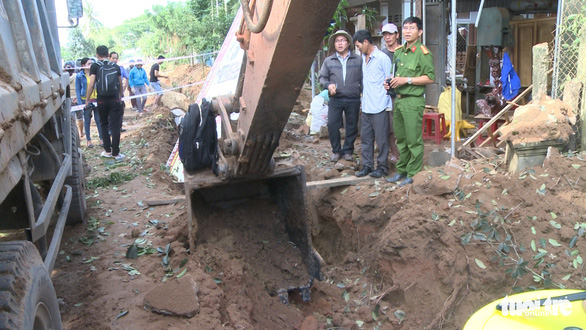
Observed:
{"x":105,"y":76}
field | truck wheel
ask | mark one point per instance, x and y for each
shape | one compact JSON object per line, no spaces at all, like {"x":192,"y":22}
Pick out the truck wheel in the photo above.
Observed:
{"x":28,"y":299}
{"x":76,"y":181}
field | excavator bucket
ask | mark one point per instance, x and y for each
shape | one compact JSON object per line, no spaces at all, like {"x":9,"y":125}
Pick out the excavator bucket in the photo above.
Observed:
{"x":267,"y":219}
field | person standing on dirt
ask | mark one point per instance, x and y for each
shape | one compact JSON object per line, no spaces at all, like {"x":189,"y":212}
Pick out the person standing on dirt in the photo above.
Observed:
{"x":341,"y":75}
{"x":76,"y":115}
{"x":155,"y":75}
{"x":415,"y":70}
{"x":391,"y":38}
{"x":138,"y":81}
{"x":81,"y":82}
{"x":130,"y":92}
{"x":106,"y":77}
{"x":114,"y":57}
{"x":376,"y":67}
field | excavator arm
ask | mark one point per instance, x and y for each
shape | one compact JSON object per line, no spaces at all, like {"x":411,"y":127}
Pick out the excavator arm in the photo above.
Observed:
{"x":277,"y":61}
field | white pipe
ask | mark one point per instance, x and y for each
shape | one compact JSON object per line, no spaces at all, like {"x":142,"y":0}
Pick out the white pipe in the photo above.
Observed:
{"x":313,"y":79}
{"x":479,"y":13}
{"x":423,"y":14}
{"x":558,"y":40}
{"x":453,"y":77}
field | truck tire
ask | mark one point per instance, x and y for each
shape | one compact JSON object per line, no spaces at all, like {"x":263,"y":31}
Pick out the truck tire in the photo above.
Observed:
{"x":76,"y":181}
{"x":27,"y":296}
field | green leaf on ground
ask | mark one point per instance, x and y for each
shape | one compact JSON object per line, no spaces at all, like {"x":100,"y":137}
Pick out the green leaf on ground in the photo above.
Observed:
{"x":533,"y":247}
{"x":567,"y":277}
{"x":553,"y":215}
{"x":555,"y":224}
{"x":346,"y":296}
{"x":479,"y":263}
{"x":182,"y":272}
{"x":554,"y":242}
{"x":400,"y":315}
{"x":121,"y":314}
{"x":576,"y":166}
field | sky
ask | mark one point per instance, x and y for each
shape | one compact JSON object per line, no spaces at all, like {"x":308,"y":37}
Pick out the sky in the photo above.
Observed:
{"x":110,"y":12}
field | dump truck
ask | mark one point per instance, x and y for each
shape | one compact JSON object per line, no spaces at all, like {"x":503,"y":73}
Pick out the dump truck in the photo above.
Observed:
{"x":42,"y":183}
{"x":280,"y":39}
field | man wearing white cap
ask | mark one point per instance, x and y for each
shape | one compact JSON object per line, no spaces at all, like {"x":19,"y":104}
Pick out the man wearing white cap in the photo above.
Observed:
{"x":341,"y":75}
{"x":391,"y":38}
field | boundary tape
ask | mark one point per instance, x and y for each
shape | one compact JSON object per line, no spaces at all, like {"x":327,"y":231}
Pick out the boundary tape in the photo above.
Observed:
{"x":81,"y":106}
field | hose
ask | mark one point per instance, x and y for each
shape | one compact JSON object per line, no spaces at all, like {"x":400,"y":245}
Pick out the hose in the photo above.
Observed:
{"x":262,"y":19}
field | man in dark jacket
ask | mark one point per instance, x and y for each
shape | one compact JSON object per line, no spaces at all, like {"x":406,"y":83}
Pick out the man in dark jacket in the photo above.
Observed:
{"x":341,"y":75}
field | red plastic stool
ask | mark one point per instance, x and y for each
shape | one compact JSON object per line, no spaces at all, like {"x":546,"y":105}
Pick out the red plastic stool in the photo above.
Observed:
{"x":439,"y":127}
{"x":482,"y":120}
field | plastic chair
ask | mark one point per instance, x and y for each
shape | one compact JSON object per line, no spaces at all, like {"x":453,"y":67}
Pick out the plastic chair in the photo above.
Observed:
{"x":437,"y":121}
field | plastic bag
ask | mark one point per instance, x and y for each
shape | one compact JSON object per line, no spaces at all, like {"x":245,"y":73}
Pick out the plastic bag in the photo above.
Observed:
{"x":319,"y":114}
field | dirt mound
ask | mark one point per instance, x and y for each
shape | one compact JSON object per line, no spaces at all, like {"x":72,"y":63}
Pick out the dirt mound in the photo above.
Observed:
{"x":185,"y":74}
{"x":463,"y":235}
{"x":174,"y":100}
{"x":548,"y":120}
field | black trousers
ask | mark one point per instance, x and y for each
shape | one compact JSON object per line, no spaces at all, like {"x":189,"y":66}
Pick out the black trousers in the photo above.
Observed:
{"x":338,"y":107}
{"x":111,"y":112}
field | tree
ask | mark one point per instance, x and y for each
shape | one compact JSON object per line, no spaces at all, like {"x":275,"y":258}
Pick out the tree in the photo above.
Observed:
{"x":78,"y":46}
{"x":90,"y":24}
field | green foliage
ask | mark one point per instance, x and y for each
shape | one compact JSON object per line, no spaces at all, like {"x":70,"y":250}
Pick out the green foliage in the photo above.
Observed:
{"x":115,"y":178}
{"x":78,"y":46}
{"x":174,"y":29}
{"x":482,"y":230}
{"x":369,"y":15}
{"x":339,"y":20}
{"x":90,"y":24}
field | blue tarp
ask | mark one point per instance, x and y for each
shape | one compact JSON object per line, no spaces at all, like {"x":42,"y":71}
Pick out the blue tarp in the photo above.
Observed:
{"x":510,"y":79}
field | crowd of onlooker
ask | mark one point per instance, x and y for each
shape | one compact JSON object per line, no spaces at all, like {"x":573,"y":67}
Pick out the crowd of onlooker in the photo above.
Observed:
{"x":99,"y":84}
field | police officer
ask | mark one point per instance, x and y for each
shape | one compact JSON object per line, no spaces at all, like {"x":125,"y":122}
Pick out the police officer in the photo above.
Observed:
{"x":414,"y":63}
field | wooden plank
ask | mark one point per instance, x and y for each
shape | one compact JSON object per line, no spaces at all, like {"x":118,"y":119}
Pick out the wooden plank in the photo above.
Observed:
{"x":345,"y":181}
{"x":496,"y":117}
{"x":156,"y":202}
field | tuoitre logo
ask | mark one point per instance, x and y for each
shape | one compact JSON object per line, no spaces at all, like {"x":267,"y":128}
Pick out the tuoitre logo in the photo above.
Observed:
{"x":536,"y":307}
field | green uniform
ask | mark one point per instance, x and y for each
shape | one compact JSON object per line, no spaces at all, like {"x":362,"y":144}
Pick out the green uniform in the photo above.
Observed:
{"x":409,"y":105}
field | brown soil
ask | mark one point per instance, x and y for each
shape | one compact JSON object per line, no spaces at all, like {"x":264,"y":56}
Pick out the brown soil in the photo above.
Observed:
{"x":388,"y":253}
{"x":545,"y":121}
{"x":188,"y":74}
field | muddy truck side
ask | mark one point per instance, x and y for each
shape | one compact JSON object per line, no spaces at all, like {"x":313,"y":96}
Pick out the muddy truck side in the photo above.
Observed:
{"x":42,"y":184}
{"x":280,"y":39}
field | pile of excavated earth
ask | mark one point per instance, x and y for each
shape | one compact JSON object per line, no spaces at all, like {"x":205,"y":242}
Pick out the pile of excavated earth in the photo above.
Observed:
{"x":422,"y":256}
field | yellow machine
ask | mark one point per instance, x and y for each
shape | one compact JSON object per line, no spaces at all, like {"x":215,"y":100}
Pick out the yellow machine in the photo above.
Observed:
{"x":543,"y":309}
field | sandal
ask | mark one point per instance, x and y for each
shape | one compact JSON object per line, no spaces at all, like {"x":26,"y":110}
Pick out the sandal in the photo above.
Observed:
{"x":90,"y":144}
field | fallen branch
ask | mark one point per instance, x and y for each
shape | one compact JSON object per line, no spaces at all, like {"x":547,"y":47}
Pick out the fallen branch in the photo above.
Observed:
{"x":565,"y":177}
{"x":379,"y":297}
{"x":512,"y":210}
